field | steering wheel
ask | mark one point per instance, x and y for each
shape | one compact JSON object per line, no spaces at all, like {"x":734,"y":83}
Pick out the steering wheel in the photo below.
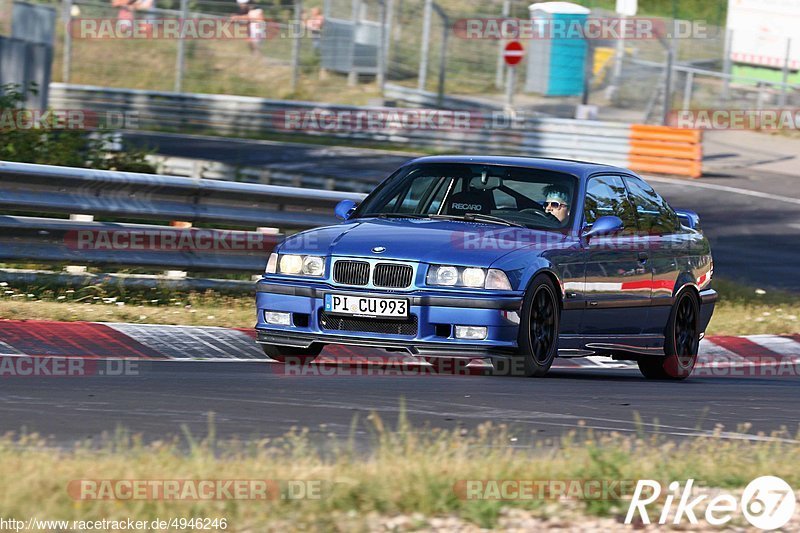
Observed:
{"x":550,"y":217}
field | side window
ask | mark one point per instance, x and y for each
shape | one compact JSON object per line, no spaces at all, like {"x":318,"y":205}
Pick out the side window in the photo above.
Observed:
{"x":605,"y":196}
{"x":655,"y":215}
{"x":407,"y":200}
{"x":438,"y":196}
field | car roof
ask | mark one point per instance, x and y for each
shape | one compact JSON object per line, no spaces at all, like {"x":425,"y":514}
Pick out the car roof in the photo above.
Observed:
{"x":580,"y":169}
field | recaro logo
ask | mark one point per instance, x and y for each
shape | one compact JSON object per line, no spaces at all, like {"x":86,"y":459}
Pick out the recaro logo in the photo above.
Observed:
{"x":467,"y":207}
{"x":768,"y":503}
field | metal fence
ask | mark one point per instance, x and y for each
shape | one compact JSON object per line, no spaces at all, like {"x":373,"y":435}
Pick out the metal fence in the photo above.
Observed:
{"x":26,"y":57}
{"x":119,"y":197}
{"x":414,"y":41}
{"x":415,"y":44}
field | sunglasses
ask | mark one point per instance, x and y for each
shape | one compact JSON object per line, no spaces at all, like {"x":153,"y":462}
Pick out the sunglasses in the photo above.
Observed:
{"x":554,"y":205}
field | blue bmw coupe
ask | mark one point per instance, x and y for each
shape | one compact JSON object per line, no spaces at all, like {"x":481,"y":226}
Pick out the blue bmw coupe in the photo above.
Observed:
{"x":512,"y":259}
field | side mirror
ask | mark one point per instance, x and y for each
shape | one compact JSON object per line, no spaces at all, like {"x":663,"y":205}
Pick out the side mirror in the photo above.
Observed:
{"x":607,"y":225}
{"x":344,"y":209}
{"x":688,"y":218}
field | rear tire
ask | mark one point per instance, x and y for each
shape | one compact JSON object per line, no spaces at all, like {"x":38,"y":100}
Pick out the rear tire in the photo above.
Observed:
{"x":538,"y":329}
{"x":681,"y":342}
{"x":284,"y":354}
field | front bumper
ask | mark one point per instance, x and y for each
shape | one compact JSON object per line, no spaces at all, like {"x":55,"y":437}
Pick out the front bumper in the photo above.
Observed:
{"x":435,"y":312}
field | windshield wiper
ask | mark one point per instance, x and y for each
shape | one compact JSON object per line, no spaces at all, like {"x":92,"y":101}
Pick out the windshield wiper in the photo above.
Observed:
{"x":477,"y":217}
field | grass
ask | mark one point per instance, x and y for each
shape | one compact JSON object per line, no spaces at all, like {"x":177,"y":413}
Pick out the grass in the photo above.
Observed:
{"x":366,"y":490}
{"x":741,"y":310}
{"x":105,"y":304}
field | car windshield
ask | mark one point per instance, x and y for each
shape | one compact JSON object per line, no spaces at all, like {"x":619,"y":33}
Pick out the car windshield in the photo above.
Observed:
{"x":507,"y":195}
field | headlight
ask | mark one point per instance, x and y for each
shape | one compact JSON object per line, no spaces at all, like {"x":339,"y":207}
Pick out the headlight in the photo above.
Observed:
{"x":443,"y":275}
{"x":313,"y":265}
{"x":291,"y":264}
{"x":453,"y":276}
{"x":473,"y":277}
{"x":298,"y":265}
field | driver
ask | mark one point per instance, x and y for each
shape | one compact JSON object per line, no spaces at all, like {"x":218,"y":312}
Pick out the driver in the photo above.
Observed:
{"x":556,"y":202}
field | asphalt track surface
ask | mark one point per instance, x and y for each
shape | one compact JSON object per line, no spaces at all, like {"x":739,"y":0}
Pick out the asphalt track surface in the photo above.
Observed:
{"x":149,"y":379}
{"x":752,"y":221}
{"x":752,"y":218}
{"x":255,"y":400}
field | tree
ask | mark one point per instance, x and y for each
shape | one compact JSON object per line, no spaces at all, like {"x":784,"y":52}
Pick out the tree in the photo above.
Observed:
{"x":45,"y":137}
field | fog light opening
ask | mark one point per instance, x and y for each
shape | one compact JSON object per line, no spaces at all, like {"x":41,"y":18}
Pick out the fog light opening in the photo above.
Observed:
{"x":475,"y":333}
{"x":511,"y":316}
{"x":278,"y":318}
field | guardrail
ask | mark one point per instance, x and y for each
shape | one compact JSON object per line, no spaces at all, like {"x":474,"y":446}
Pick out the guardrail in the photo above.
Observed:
{"x":266,"y":174}
{"x":50,"y":189}
{"x":50,"y":240}
{"x":476,"y":131}
{"x":419,"y":98}
{"x":40,"y":189}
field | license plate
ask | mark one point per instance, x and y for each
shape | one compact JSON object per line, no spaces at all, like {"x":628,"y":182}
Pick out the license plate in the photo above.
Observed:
{"x":366,"y":306}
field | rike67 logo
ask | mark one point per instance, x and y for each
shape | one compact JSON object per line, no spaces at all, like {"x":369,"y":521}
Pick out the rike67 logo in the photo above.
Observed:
{"x":767,"y":503}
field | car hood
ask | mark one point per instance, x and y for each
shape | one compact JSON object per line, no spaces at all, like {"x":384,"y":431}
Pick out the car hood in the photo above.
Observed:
{"x":424,"y":240}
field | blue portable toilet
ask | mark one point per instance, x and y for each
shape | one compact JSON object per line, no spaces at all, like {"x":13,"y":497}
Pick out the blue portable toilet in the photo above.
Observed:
{"x":557,"y":52}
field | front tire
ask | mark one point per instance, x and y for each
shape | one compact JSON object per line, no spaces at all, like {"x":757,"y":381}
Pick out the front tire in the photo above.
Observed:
{"x":538,"y":329}
{"x":681,"y":342}
{"x":284,"y":354}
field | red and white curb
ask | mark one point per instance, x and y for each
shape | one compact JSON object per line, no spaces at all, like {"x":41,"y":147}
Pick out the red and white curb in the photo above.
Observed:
{"x":202,"y":343}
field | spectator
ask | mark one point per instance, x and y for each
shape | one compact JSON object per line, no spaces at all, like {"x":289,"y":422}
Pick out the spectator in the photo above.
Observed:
{"x":253,"y":16}
{"x":125,"y":14}
{"x":313,"y":23}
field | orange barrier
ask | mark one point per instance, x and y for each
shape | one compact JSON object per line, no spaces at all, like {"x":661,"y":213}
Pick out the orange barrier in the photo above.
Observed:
{"x":666,"y":150}
{"x":664,"y":165}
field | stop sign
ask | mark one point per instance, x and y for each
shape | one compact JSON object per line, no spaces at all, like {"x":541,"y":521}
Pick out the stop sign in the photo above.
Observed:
{"x":513,"y":53}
